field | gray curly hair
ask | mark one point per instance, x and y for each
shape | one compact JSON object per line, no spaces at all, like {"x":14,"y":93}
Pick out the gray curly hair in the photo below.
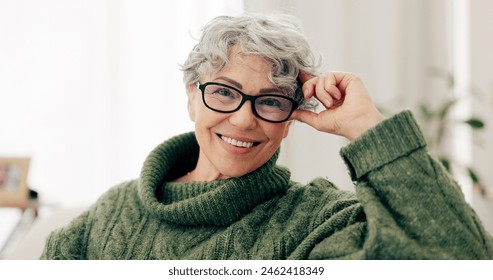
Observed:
{"x":278,"y":38}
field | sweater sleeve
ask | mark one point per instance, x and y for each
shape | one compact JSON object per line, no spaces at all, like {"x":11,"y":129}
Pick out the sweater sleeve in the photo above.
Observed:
{"x":67,"y":243}
{"x":414,"y":209}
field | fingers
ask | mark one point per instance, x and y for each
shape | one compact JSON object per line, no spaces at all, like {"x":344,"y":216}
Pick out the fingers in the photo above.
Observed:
{"x":309,"y":83}
{"x":307,"y":117}
{"x":325,"y":123}
{"x":349,"y":110}
{"x":333,"y":86}
{"x":324,"y":88}
{"x":329,"y":89}
{"x":304,"y":77}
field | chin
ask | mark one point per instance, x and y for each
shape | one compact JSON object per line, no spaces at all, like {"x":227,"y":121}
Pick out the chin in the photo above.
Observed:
{"x":236,"y":170}
{"x":235,"y":173}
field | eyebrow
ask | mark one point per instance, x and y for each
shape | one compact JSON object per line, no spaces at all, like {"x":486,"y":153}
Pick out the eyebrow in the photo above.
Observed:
{"x":239,"y":86}
{"x":235,"y":83}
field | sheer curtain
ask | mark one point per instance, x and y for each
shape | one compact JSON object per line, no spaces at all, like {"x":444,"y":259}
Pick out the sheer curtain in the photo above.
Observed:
{"x":89,"y":87}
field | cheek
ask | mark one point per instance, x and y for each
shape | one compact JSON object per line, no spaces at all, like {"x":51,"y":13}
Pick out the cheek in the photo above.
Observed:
{"x":276,"y":132}
{"x":192,"y":106}
{"x":198,"y":110}
{"x":204,"y":117}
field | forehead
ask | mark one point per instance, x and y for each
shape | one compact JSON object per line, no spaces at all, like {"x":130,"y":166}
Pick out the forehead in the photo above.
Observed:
{"x":240,"y":60}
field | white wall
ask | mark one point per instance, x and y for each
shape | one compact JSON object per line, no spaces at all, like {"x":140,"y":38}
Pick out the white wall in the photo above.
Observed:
{"x":482,"y":82}
{"x":482,"y":106}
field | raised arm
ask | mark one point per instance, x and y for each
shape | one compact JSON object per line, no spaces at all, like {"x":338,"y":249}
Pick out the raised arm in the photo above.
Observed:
{"x":413,"y":208}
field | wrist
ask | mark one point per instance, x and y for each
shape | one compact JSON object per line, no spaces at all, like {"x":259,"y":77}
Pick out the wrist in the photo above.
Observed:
{"x":364,"y":124}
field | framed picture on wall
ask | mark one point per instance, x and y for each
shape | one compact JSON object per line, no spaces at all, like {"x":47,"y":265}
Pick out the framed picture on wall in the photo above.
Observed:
{"x":14,"y":191}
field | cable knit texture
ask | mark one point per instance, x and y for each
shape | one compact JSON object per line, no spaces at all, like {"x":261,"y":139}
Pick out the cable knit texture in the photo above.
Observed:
{"x":405,"y":207}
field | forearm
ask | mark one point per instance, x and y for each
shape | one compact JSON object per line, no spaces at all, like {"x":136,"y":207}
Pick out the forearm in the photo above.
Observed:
{"x":409,"y":199}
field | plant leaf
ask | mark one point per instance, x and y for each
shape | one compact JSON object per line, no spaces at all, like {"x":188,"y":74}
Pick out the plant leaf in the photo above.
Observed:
{"x":440,"y":73}
{"x":425,"y":111}
{"x":445,"y":162}
{"x":442,"y":113}
{"x":475,"y":123}
{"x":473,"y":175}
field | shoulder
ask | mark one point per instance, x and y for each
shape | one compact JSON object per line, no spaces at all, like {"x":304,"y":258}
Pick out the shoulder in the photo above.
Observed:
{"x":116,"y":200}
{"x":318,"y":189}
{"x":72,"y":241}
{"x":304,"y":207}
{"x":123,"y":191}
{"x":318,"y":197}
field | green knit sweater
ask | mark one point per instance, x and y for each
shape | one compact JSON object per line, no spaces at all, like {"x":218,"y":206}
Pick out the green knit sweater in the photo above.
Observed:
{"x":405,"y":207}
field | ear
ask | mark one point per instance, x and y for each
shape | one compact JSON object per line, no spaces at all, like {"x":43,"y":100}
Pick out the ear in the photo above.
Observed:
{"x":191,"y":88}
{"x":286,"y":130}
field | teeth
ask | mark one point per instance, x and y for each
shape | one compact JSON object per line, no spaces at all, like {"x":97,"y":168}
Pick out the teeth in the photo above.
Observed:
{"x":237,"y":143}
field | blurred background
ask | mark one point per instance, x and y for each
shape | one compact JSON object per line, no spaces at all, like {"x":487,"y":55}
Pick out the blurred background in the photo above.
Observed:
{"x":89,"y":87}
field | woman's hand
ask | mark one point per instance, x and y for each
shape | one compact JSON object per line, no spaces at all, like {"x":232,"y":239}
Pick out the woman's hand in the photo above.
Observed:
{"x":348,"y":112}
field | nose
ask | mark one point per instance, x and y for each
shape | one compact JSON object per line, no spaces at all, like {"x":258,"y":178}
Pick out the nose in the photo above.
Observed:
{"x":244,"y":117}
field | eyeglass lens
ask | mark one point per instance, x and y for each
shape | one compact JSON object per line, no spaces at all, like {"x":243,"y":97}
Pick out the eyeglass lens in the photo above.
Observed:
{"x":271,"y":107}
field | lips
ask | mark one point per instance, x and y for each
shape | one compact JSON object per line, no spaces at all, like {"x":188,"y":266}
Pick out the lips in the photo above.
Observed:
{"x":237,"y":143}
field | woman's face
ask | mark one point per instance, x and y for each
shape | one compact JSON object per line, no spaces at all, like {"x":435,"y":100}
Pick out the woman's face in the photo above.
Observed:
{"x":222,"y":137}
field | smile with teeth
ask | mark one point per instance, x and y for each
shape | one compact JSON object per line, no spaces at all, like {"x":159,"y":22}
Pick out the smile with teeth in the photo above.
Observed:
{"x":237,"y":143}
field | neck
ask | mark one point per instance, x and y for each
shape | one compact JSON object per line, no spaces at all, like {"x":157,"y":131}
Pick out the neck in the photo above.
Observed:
{"x":203,"y":172}
{"x":197,"y":176}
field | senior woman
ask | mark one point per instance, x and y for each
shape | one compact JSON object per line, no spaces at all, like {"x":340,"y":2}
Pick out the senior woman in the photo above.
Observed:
{"x":217,"y":193}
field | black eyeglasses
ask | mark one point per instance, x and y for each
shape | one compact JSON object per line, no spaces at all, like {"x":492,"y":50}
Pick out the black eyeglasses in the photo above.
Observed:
{"x":271,"y":107}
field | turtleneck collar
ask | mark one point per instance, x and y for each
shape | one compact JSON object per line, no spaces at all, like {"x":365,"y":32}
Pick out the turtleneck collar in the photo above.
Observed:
{"x":216,"y":203}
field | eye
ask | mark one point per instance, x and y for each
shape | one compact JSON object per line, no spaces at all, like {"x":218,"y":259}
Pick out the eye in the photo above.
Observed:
{"x":224,"y":92}
{"x":271,"y":102}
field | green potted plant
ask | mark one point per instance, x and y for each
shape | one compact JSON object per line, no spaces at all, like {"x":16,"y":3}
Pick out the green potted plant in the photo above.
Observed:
{"x":438,"y":121}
